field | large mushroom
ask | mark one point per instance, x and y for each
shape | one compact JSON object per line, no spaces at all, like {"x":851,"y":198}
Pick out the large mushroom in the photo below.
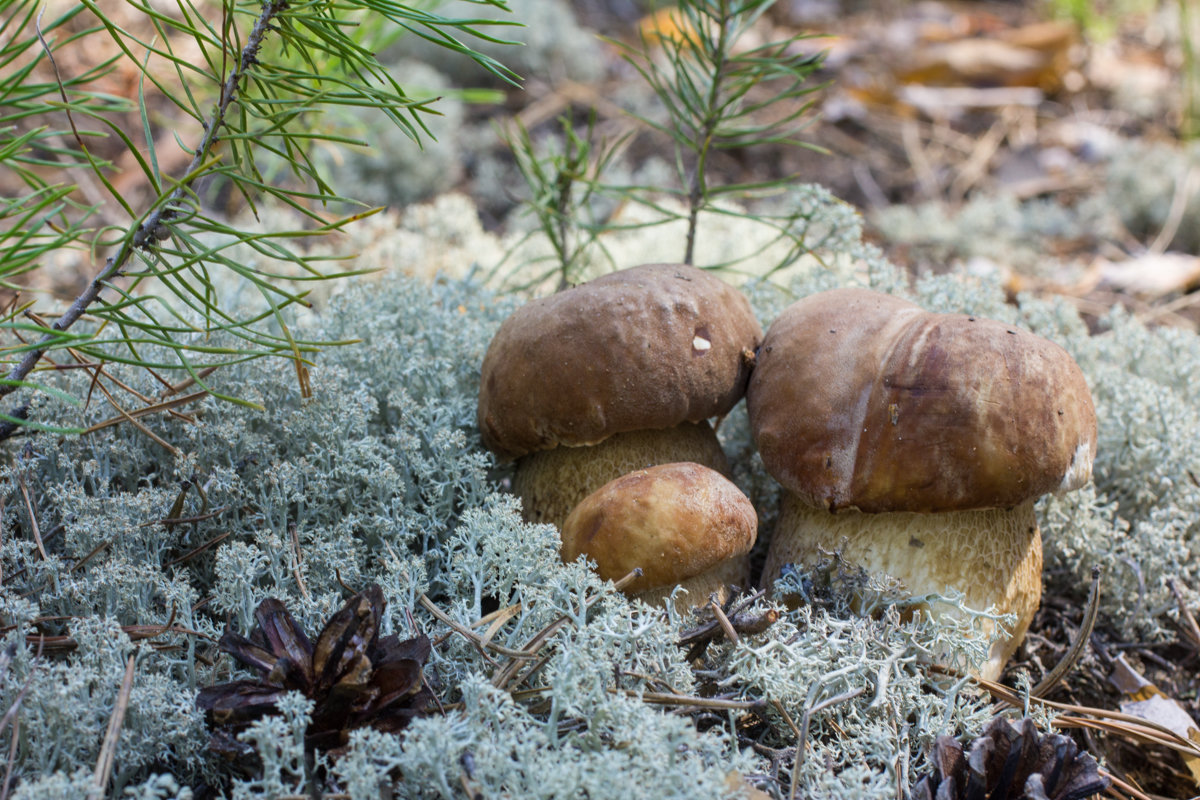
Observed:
{"x":680,"y":524}
{"x":916,"y":443}
{"x":614,"y":375}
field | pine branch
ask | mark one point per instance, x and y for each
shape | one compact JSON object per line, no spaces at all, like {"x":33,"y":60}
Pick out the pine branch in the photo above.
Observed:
{"x":145,"y":236}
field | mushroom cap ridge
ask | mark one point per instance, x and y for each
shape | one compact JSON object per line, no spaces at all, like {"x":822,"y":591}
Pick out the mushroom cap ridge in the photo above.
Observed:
{"x":864,"y":400}
{"x":644,"y":348}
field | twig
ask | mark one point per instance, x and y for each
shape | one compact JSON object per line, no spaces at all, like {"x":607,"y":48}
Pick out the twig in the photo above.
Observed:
{"x":799,"y":734}
{"x":144,"y":235}
{"x":97,"y":370}
{"x":1130,"y":791}
{"x":198,"y":550}
{"x":108,"y":751}
{"x":1184,"y":189}
{"x":505,"y":676}
{"x":166,"y":405}
{"x":802,"y":742}
{"x":1137,"y":728}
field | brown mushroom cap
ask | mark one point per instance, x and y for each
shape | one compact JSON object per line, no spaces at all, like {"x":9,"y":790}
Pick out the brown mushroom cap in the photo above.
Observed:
{"x":644,"y":348}
{"x":864,"y":400}
{"x":674,"y":521}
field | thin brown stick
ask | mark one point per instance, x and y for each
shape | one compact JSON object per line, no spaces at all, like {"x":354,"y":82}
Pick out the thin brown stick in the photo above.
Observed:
{"x":167,"y":522}
{"x":802,"y":743}
{"x":198,"y":550}
{"x":714,"y":703}
{"x":108,"y":751}
{"x":144,"y":410}
{"x":1190,"y":630}
{"x":78,"y":564}
{"x":187,"y":383}
{"x":1134,"y":727}
{"x":1129,"y":790}
{"x":98,"y":371}
{"x":505,"y":676}
{"x":33,"y":523}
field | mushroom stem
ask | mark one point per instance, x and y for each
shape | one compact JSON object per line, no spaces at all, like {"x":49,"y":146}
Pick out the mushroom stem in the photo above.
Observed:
{"x":551,"y":483}
{"x":717,"y":580}
{"x":993,"y":556}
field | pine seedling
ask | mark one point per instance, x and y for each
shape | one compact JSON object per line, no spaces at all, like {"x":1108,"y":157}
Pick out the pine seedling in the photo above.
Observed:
{"x":719,"y":96}
{"x":564,"y":184}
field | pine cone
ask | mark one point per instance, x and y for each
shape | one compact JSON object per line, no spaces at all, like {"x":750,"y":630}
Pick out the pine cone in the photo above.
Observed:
{"x":1011,"y":762}
{"x":354,"y":677}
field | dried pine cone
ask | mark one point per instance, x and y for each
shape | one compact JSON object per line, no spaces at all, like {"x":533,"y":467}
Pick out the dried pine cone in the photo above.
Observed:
{"x":354,"y":677}
{"x":1011,"y":762}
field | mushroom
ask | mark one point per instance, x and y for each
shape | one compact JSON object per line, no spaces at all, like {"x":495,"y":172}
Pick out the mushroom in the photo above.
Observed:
{"x":916,"y":443}
{"x":681,"y":524}
{"x":611,"y":376}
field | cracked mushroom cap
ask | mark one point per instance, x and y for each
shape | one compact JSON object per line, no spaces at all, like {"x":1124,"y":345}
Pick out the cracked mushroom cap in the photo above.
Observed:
{"x":645,"y":348}
{"x":673,"y":521}
{"x":863,"y":400}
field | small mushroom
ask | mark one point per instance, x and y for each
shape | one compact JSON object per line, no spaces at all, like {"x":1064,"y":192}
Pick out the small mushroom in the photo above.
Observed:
{"x":614,"y":375}
{"x":916,"y":443}
{"x":681,"y":524}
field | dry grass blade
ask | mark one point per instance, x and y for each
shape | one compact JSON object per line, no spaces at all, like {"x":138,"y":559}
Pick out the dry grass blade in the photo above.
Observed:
{"x":165,"y":405}
{"x":108,"y":751}
{"x":198,"y":550}
{"x":1123,"y":790}
{"x":1072,"y":655}
{"x":714,"y":703}
{"x":1134,"y":728}
{"x":497,"y":620}
{"x":726,"y":625}
{"x":445,"y":619}
{"x":294,"y":538}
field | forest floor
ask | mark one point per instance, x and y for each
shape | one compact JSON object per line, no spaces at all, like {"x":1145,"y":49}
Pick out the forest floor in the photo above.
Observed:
{"x":977,"y":136}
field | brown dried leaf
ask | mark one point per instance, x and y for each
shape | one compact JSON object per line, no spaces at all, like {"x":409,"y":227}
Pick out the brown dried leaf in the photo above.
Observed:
{"x":1146,"y":701}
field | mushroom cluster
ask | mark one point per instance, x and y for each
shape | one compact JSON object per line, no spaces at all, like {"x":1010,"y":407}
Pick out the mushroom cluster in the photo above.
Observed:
{"x":611,"y":376}
{"x":912,"y":443}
